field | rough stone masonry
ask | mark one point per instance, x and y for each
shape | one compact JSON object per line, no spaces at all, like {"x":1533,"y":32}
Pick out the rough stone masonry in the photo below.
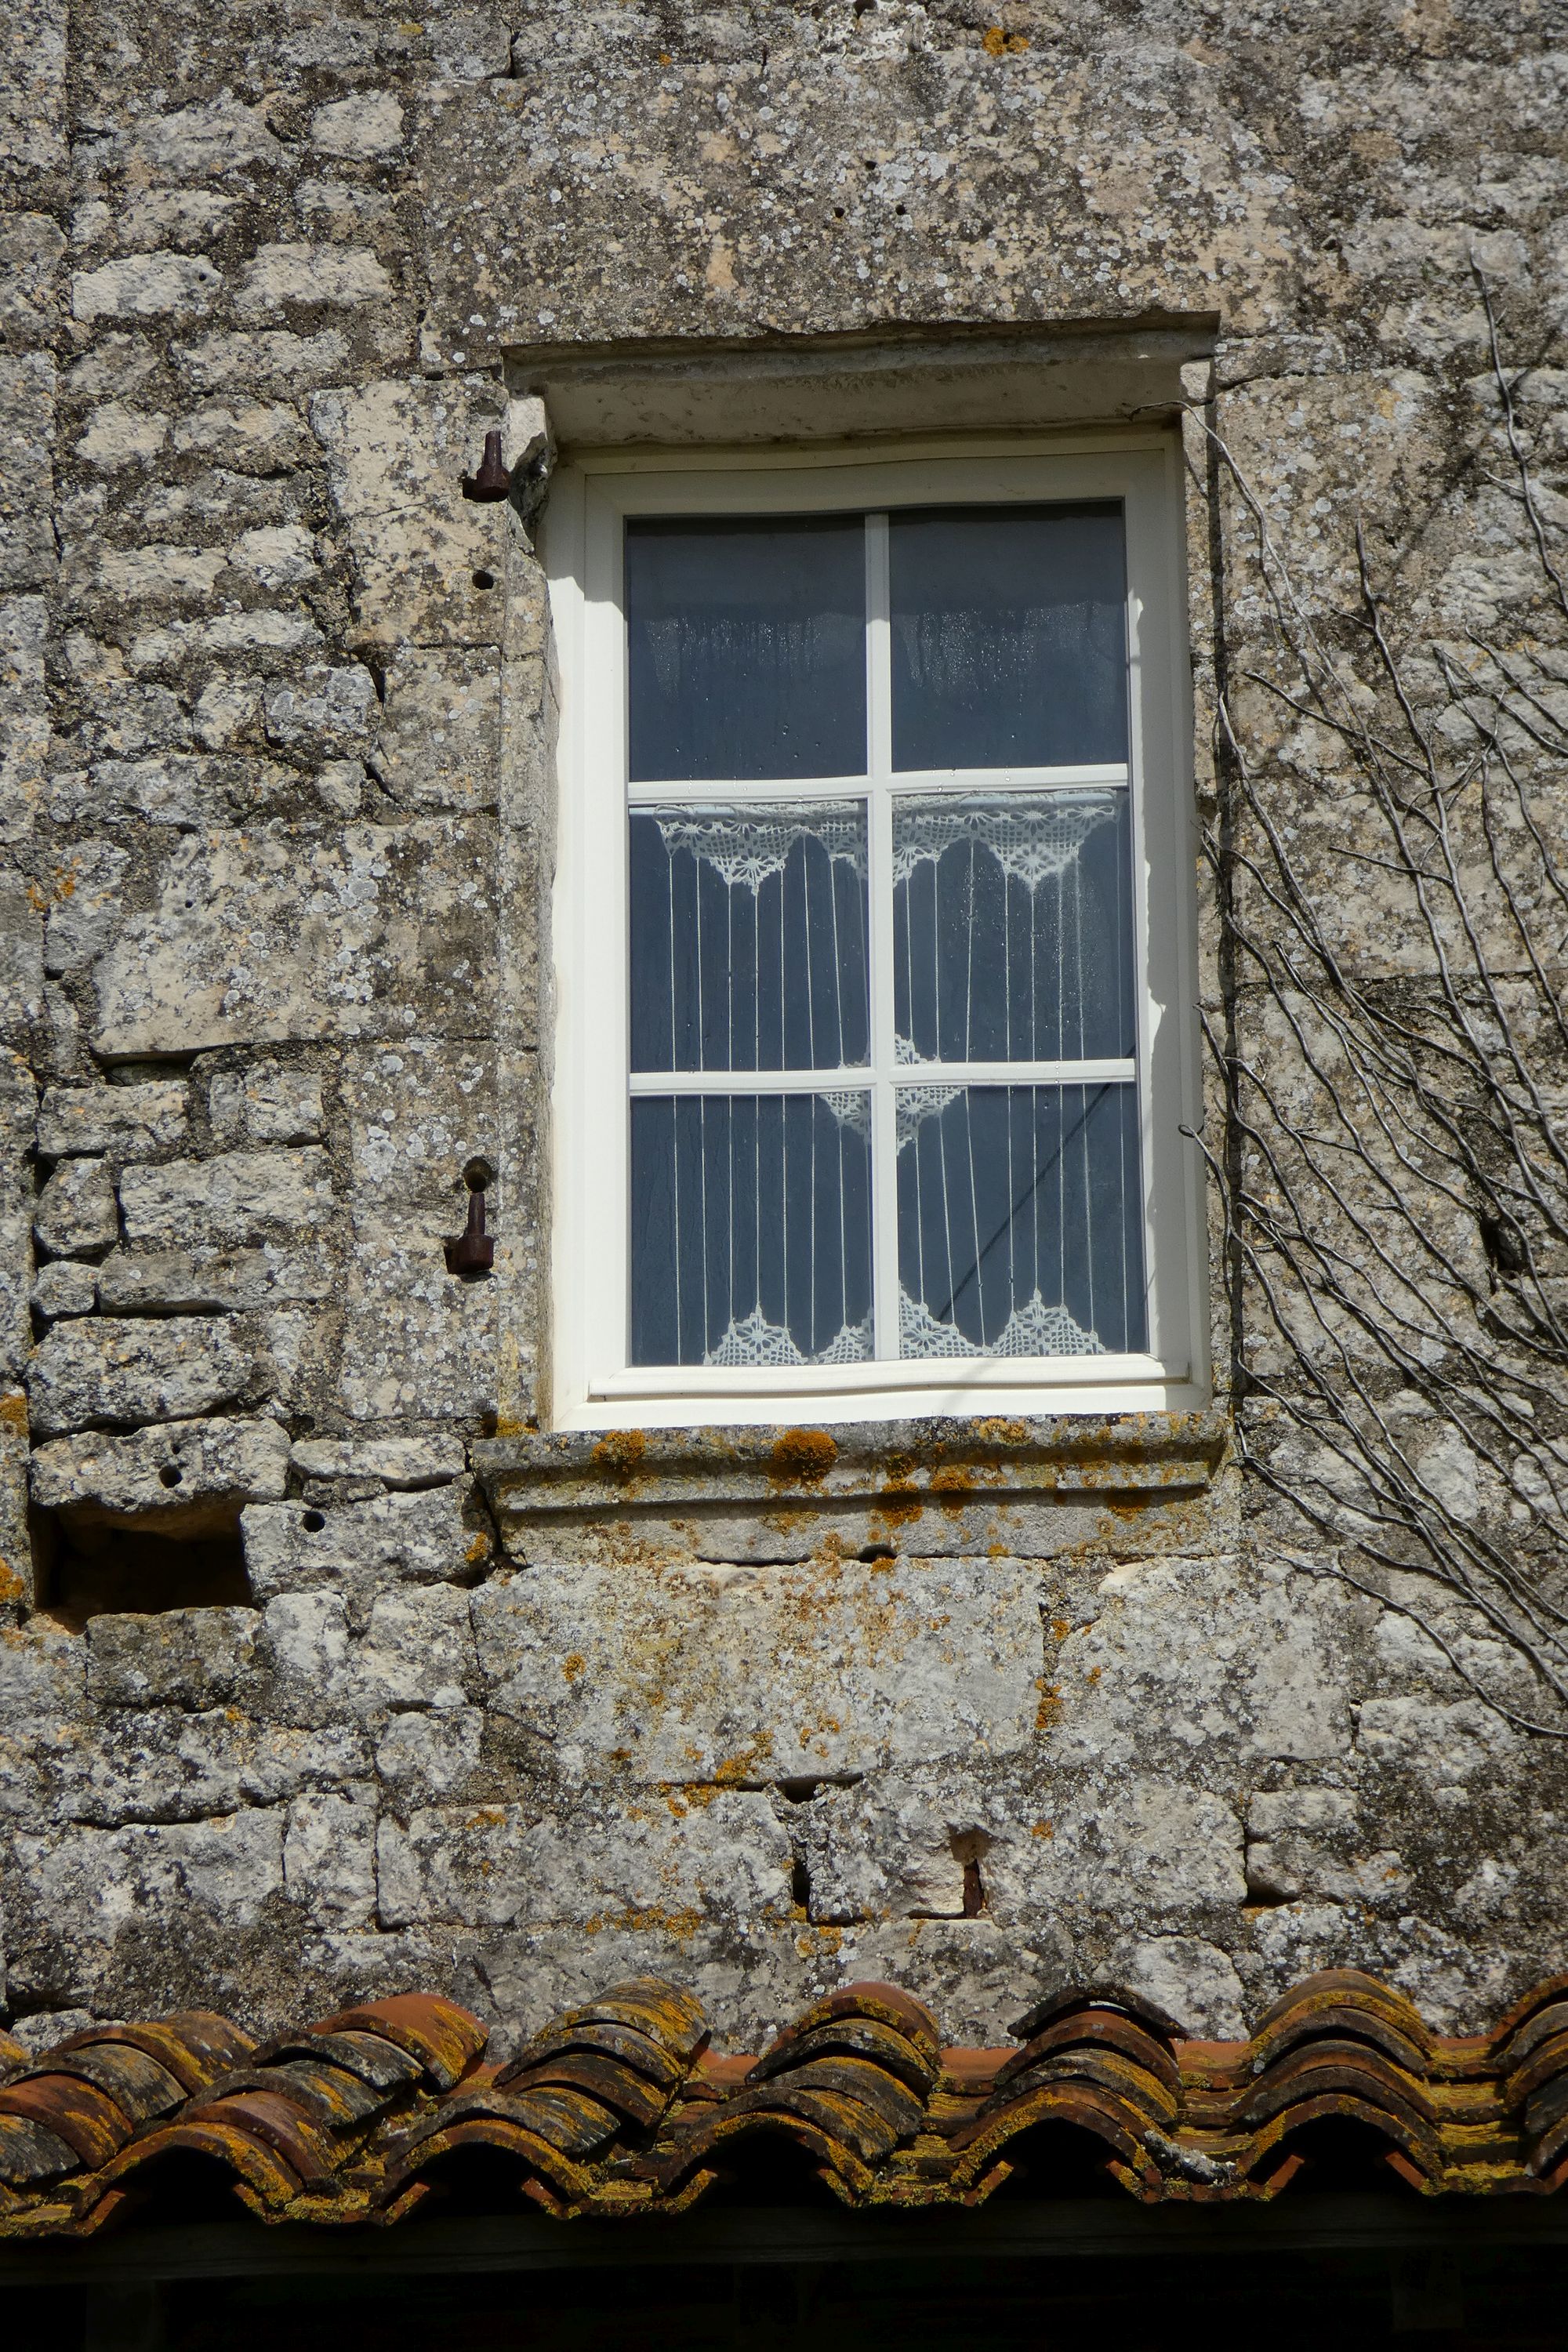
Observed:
{"x":485,"y":1710}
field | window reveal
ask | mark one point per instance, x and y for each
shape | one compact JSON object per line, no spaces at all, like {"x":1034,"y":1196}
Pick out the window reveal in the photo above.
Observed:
{"x":883,"y":978}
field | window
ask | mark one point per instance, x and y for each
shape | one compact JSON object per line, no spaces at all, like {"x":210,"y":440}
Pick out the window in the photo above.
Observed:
{"x":871,"y":1057}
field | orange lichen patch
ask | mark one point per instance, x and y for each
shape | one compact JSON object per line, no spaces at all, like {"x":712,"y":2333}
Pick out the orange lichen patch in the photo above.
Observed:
{"x":574,"y":1664}
{"x":802,"y":1457}
{"x":12,"y":1586}
{"x":1060,"y":1629}
{"x":998,"y":44}
{"x":479,"y":1549}
{"x":621,"y":1453}
{"x":1050,"y":1706}
{"x":13,"y":1408}
{"x":1002,"y":1432}
{"x":1042,"y":1829}
{"x":953,"y":1486}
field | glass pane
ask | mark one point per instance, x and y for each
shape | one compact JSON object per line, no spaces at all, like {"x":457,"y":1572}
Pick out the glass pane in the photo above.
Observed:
{"x":1013,"y":928}
{"x":1009,"y":639}
{"x":1020,"y":1222}
{"x":746,"y":642}
{"x":751,"y":1229}
{"x":749,"y":937}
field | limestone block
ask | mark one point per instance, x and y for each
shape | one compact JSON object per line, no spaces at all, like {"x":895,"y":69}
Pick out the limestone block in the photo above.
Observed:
{"x":418,"y":1112}
{"x":418,"y":1343}
{"x":77,"y":1212}
{"x":287,"y":1757}
{"x":95,"y":1371}
{"x":65,"y":1286}
{"x":162,"y":1764}
{"x":121,"y":1123}
{"x":328,"y":1854}
{"x":420,"y":1648}
{"x":182,"y":217}
{"x":883,"y":1849}
{"x":42,"y":1671}
{"x":267,"y":1102}
{"x":430,"y":1460}
{"x":703,"y":1673}
{"x":215,"y":1281}
{"x":179,"y":1466}
{"x":190,"y":1658}
{"x":85,"y":1887}
{"x":239,"y":1196}
{"x":365,"y":126}
{"x":1193,"y":1982}
{"x":25,"y":731}
{"x":364,"y":1548}
{"x":26,"y":474}
{"x":295,"y":931}
{"x":441,"y":740}
{"x":197,"y":141}
{"x":425,"y":1754}
{"x":275,"y":556}
{"x":397,"y":453}
{"x":345,"y":277}
{"x":246,"y":435}
{"x":21,"y":964}
{"x":31,"y":247}
{"x":176,"y":788}
{"x":1180,"y":1846}
{"x":270,"y":360}
{"x":330,"y":710}
{"x":652,"y":1865}
{"x":133,"y":573}
{"x":146,"y":286}
{"x":306,"y":1648}
{"x":1183,"y":1654}
{"x":226,"y":708}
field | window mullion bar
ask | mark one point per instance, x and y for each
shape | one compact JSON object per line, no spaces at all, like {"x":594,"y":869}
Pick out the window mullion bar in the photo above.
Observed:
{"x":879,"y":831}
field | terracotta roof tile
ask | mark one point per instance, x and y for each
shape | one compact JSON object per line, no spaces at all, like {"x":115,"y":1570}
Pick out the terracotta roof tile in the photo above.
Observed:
{"x":619,"y":2107}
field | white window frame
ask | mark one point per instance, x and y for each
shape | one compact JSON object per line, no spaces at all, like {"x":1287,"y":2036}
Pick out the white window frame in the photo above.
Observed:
{"x":590,"y":1384}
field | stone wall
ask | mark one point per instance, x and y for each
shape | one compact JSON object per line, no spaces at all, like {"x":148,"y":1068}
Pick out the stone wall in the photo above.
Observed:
{"x":485,"y":1714}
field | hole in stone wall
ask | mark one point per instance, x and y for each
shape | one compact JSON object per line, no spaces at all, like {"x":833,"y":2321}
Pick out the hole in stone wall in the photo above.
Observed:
{"x":313,"y":1522}
{"x":484,"y":579}
{"x":869,"y":1552}
{"x":97,"y":1572}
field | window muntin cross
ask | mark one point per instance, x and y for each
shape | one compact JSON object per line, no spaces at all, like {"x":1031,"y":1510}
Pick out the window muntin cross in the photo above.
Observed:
{"x":883,"y":983}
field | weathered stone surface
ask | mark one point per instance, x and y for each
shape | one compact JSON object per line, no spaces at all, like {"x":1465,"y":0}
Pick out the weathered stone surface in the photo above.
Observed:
{"x":441,"y":743}
{"x":268,"y":1103}
{"x":207,"y":1281}
{"x":78,"y":1213}
{"x":176,"y":1469}
{"x":65,"y":1286}
{"x":347,"y":932}
{"x":424,"y":1461}
{"x":125,"y":1123}
{"x":653,"y":1865}
{"x":237,"y":1197}
{"x":190,"y":1658}
{"x":418,"y":1539}
{"x":767,"y":1673}
{"x":93,"y":1372}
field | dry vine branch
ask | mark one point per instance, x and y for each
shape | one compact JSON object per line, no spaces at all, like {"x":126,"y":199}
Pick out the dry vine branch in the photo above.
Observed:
{"x":1395,"y":1074}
